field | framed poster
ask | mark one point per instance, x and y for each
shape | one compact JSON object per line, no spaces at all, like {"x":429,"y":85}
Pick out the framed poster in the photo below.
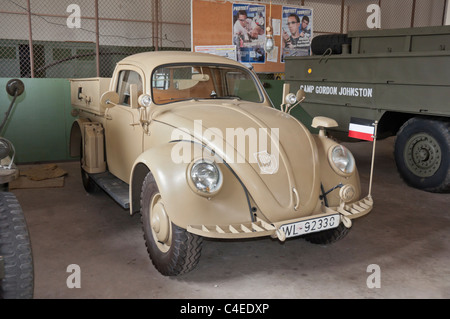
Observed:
{"x":296,"y":31}
{"x":249,"y":32}
{"x":212,"y":28}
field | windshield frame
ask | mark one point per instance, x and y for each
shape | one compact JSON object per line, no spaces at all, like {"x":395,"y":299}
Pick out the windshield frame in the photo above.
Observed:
{"x":252,"y":76}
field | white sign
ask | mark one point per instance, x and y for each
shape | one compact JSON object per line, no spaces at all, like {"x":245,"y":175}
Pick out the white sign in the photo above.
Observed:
{"x":228,"y":51}
{"x":339,"y":91}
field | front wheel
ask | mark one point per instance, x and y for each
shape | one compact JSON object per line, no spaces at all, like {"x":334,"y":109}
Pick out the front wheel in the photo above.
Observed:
{"x":422,"y":154}
{"x":172,"y":249}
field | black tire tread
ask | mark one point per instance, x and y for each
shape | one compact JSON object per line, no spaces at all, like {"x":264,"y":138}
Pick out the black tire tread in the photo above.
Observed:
{"x":329,"y":236}
{"x":441,"y":126}
{"x":15,"y":247}
{"x":185,"y":250}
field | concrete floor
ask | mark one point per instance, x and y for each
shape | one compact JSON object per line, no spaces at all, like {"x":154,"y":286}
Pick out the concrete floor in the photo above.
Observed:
{"x":406,"y":235}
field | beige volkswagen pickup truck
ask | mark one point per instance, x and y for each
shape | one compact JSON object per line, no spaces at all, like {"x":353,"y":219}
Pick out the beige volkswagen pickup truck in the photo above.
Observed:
{"x":192,"y":142}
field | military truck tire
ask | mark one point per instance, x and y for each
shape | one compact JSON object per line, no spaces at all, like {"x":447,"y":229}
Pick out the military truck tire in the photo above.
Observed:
{"x":422,"y":154}
{"x":172,"y":249}
{"x":15,"y":248}
{"x":329,"y":236}
{"x":321,"y":43}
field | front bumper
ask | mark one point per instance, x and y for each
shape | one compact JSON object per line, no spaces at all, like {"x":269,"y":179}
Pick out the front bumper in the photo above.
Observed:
{"x":260,"y":228}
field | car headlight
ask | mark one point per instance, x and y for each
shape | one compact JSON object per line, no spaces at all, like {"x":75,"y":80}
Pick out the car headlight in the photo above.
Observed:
{"x":342,"y":160}
{"x":206,"y":177}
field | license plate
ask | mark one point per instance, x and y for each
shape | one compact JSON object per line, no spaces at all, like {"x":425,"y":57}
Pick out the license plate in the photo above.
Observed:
{"x":311,"y":225}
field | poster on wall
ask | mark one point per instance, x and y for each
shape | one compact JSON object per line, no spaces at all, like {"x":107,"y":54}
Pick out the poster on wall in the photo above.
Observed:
{"x":249,"y":32}
{"x":296,"y":31}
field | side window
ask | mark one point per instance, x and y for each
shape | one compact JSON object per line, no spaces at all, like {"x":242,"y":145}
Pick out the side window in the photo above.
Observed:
{"x":126,"y":78}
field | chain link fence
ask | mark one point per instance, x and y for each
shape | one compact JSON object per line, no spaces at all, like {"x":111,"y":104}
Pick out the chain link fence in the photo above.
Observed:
{"x":86,"y":38}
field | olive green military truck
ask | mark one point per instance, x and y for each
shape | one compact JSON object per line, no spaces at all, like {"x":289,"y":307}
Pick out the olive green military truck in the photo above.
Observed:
{"x":400,"y":78}
{"x":192,"y":143}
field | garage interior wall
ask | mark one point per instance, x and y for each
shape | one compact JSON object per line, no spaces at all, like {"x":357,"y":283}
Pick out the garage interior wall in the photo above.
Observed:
{"x":37,"y":45}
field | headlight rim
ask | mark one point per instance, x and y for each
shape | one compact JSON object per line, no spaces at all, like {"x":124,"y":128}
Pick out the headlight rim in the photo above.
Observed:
{"x":333,"y":164}
{"x":192,"y":183}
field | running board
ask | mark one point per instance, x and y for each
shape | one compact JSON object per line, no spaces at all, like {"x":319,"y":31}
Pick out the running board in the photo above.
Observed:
{"x":114,"y":187}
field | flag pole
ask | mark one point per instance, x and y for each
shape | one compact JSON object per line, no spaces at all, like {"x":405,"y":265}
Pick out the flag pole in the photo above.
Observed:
{"x":375,"y":124}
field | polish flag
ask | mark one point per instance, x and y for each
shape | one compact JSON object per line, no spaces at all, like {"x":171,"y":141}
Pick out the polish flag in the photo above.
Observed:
{"x":361,"y":128}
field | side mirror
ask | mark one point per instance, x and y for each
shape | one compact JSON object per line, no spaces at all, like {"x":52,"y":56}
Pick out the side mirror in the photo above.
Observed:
{"x":300,"y":96}
{"x":109,"y":99}
{"x":291,"y":100}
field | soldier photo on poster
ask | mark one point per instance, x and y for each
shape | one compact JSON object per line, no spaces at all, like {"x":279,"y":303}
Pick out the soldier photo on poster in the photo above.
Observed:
{"x":296,"y":31}
{"x":249,"y":32}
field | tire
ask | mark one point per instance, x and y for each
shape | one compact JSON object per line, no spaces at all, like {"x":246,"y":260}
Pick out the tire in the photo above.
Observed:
{"x":422,"y":154}
{"x":322,"y":43}
{"x":329,"y":236}
{"x":15,"y":248}
{"x":89,"y":185}
{"x":172,"y":250}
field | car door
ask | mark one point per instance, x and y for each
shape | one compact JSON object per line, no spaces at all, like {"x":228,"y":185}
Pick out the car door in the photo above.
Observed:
{"x":124,"y":134}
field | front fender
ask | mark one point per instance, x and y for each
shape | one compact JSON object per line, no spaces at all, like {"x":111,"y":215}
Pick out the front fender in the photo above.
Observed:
{"x":330,"y":178}
{"x":182,"y":204}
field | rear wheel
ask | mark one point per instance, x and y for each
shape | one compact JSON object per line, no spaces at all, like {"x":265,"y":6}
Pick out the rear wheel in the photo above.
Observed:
{"x":328,"y":236}
{"x":422,"y":154}
{"x":89,"y":185}
{"x":172,"y":249}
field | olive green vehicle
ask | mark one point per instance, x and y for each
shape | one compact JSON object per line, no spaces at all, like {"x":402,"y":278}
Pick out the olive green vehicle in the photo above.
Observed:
{"x":400,"y":78}
{"x":192,"y":143}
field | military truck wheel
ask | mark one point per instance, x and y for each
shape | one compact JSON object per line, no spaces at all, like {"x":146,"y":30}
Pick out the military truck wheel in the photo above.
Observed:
{"x":422,"y":154}
{"x":15,"y":249}
{"x":329,"y":236}
{"x":172,"y":249}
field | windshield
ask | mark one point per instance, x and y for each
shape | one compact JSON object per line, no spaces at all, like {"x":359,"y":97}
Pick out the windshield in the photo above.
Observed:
{"x":185,"y":82}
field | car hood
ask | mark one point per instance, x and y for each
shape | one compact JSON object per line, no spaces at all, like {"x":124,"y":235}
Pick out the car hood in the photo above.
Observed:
{"x":273,"y":154}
